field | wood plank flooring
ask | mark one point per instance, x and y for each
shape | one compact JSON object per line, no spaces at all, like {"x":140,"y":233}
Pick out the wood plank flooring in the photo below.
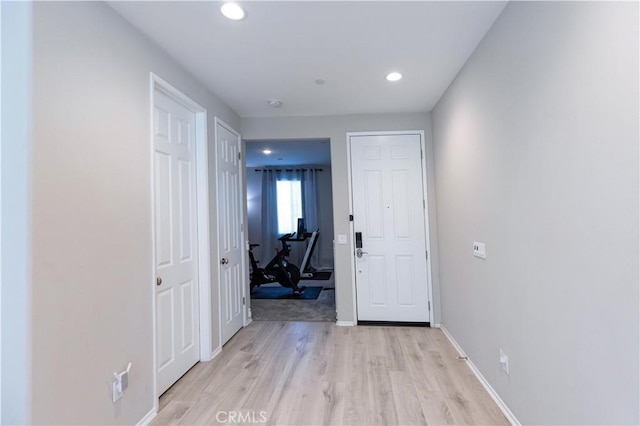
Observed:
{"x":315,"y":373}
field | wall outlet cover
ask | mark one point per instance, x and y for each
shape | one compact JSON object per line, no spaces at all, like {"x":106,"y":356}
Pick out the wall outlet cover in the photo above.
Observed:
{"x":117,"y":389}
{"x":479,"y":250}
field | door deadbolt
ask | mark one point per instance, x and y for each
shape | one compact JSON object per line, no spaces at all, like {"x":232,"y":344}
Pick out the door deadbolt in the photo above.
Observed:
{"x":158,"y":281}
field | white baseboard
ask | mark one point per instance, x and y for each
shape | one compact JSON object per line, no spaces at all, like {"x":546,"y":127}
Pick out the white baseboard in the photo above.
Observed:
{"x":147,"y":417}
{"x":436,"y":326}
{"x":217,"y":351}
{"x":249,"y":321}
{"x":494,"y":395}
{"x":211,"y":355}
{"x":345,"y":323}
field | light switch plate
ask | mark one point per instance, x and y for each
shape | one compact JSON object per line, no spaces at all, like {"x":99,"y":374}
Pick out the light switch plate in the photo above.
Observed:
{"x":342,"y":239}
{"x":504,"y":361}
{"x":479,"y":250}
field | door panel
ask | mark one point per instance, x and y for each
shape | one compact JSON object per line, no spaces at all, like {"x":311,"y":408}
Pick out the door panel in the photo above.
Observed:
{"x":185,"y":217}
{"x":163,"y":209}
{"x":376,"y":266}
{"x":175,"y":240}
{"x":165,"y":325}
{"x":188,"y":304}
{"x":402,"y":205}
{"x":230,"y":233}
{"x":374,"y":202}
{"x":404,"y":268}
{"x":388,"y":208}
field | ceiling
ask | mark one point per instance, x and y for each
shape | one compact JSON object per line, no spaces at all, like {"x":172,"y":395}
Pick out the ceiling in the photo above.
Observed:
{"x":288,"y":152}
{"x":282,"y":47}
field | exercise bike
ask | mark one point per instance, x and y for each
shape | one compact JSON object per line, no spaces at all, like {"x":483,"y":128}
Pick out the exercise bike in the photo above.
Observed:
{"x":278,"y":270}
{"x":306,"y":270}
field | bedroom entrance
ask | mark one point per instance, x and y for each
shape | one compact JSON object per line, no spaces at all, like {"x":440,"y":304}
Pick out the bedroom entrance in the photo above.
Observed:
{"x":290,"y":230}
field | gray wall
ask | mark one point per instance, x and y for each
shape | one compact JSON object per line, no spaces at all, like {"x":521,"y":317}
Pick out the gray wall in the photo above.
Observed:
{"x":335,"y":128}
{"x":92,"y":266}
{"x":536,"y":145}
{"x":324,"y":246}
{"x":15,"y":284}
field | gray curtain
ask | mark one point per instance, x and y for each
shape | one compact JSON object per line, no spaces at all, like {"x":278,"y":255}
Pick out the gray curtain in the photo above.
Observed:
{"x":308,"y":180}
{"x":269,"y":216}
{"x":310,"y":209}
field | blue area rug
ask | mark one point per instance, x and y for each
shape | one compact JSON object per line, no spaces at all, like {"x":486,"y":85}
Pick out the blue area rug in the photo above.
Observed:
{"x":309,"y":293}
{"x":321,"y":275}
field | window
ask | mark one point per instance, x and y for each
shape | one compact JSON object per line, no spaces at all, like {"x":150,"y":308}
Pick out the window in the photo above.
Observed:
{"x":289,"y":205}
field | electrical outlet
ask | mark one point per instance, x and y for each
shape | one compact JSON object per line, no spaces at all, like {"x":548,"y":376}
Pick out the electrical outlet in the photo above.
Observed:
{"x":504,"y":361}
{"x":124,"y":381}
{"x":120,"y":383}
{"x":479,"y":250}
{"x":117,"y":389}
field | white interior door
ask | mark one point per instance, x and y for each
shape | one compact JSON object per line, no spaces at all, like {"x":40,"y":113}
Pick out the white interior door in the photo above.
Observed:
{"x":388,"y":210}
{"x":230,"y":230}
{"x":175,"y":240}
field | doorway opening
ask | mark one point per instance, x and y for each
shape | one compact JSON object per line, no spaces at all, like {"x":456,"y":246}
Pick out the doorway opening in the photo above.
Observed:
{"x":290,"y":230}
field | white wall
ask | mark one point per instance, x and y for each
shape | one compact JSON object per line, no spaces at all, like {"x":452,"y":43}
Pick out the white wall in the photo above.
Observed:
{"x":536,"y":145}
{"x":15,"y":334}
{"x":324,"y":245}
{"x":335,"y":128}
{"x":92,"y":266}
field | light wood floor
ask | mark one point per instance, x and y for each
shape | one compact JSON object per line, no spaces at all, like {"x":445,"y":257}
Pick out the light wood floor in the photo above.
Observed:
{"x":299,"y":373}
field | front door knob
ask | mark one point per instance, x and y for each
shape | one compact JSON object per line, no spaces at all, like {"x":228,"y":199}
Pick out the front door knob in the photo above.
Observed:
{"x":158,"y":281}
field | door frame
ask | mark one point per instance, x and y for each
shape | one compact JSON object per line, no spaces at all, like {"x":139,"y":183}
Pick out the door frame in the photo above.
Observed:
{"x":243,"y":253}
{"x":427,"y":238}
{"x":202,"y":221}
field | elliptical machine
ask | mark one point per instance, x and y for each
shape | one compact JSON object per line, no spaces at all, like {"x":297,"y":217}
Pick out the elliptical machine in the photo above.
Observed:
{"x":278,"y":270}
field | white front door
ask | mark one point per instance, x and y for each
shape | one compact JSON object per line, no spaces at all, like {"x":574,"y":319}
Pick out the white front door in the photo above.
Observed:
{"x":230,"y":230}
{"x":175,"y":240}
{"x":389,"y":222}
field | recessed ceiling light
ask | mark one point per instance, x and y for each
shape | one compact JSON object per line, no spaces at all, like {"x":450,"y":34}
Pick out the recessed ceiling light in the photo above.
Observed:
{"x":274,"y":103}
{"x":394,"y":76}
{"x":266,"y":151}
{"x":232,"y":11}
{"x":320,"y":82}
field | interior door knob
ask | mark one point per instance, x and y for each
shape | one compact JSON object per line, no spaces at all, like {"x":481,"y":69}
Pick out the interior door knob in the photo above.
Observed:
{"x":224,"y":261}
{"x":158,"y":281}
